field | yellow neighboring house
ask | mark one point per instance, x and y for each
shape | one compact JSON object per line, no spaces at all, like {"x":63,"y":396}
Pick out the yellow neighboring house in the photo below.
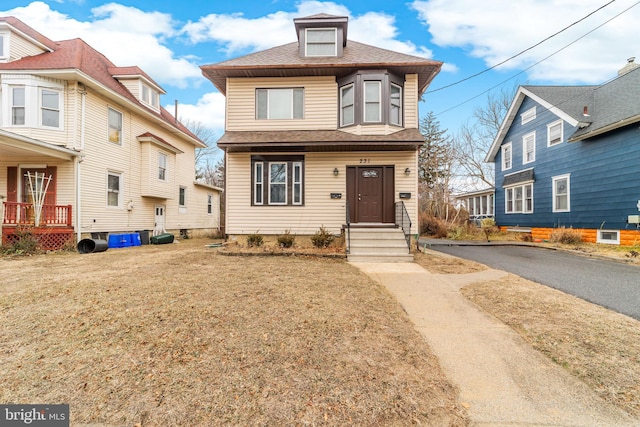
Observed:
{"x":321,"y":132}
{"x":117,"y":160}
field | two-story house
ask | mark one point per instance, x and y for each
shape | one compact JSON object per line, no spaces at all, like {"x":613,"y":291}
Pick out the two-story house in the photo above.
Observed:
{"x":110,"y":158}
{"x":569,"y":156}
{"x":321,"y":132}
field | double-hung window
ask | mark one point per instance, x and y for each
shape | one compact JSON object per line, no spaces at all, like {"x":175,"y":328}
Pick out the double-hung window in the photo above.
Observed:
{"x":554,"y":133}
{"x":321,"y":42}
{"x":347,"y":108}
{"x":114,"y":187}
{"x":561,"y":193}
{"x":275,"y":103}
{"x":395,"y":111}
{"x":182,"y":197}
{"x":115,"y":126}
{"x":4,"y":52}
{"x":519,"y":198}
{"x":507,"y":156}
{"x":277,"y":180}
{"x":18,"y":106}
{"x":529,"y":148}
{"x":149,"y":96}
{"x":162,"y":166}
{"x":372,"y":102}
{"x":50,"y":108}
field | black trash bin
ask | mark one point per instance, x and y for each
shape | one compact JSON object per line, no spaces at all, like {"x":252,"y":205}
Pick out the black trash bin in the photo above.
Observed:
{"x":88,"y":246}
{"x":144,"y":236}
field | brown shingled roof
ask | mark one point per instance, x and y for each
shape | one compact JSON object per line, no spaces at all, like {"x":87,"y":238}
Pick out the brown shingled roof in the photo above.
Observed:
{"x":77,"y":55}
{"x":284,"y":61}
{"x":28,"y":31}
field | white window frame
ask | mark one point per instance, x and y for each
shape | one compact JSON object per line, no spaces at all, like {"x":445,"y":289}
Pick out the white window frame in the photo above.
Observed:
{"x":392,"y":106}
{"x":266,"y":113}
{"x":529,"y":148}
{"x":14,"y":106}
{"x":296,"y":199}
{"x":149,"y":96}
{"x":271,"y":183}
{"x":511,"y":198}
{"x":351,"y":105}
{"x":182,"y":196}
{"x":163,"y":166}
{"x":600,"y":238}
{"x":118,"y":191}
{"x":258,"y":183}
{"x":318,"y":30}
{"x":4,"y":46}
{"x":528,"y":115}
{"x":110,"y":126}
{"x":554,"y":194}
{"x":58,"y":110}
{"x":550,"y":142}
{"x":508,"y":147}
{"x":366,"y":102}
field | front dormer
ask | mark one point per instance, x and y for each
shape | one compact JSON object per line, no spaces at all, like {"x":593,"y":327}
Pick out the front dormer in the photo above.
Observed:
{"x":321,"y":35}
{"x":140,"y":85}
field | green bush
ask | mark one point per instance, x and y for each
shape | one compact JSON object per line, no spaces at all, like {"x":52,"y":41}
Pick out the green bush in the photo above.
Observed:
{"x":567,"y":236}
{"x":286,"y":240}
{"x":255,"y":239}
{"x":322,"y":238}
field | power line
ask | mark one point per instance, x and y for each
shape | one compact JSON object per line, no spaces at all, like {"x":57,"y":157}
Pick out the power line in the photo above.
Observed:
{"x":520,"y":53}
{"x":540,"y":61}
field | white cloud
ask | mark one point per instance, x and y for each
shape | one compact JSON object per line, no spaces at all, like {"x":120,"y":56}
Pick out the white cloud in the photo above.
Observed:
{"x":209,"y":110}
{"x":125,"y":35}
{"x":494,"y":31}
{"x":235,"y":33}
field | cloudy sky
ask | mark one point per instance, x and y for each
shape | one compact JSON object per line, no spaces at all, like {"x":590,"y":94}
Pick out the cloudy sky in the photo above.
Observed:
{"x":171,"y":39}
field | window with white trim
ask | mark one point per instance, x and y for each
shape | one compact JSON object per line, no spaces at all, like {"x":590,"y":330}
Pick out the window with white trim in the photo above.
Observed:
{"x":529,"y":148}
{"x":182,"y":196}
{"x":395,"y":112}
{"x":561,"y":193}
{"x":209,"y":204}
{"x":18,"y":111}
{"x":321,"y":42}
{"x":528,"y":115}
{"x":519,"y":199}
{"x":372,"y":102}
{"x":611,"y":237}
{"x":277,"y":180}
{"x":162,"y":166}
{"x":114,"y":189}
{"x":115,"y":126}
{"x":276,"y":103}
{"x":347,"y":108}
{"x":507,"y":156}
{"x":554,"y":133}
{"x":50,"y":108}
{"x":149,"y":96}
{"x":4,"y":49}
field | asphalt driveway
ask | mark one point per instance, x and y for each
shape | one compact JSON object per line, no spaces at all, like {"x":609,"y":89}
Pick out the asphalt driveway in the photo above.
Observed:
{"x":611,"y":284}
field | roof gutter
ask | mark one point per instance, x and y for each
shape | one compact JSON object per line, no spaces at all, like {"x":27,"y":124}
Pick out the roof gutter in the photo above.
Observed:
{"x":605,"y":129}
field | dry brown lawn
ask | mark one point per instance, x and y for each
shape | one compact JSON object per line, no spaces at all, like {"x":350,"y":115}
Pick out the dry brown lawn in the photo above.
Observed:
{"x":178,"y":335}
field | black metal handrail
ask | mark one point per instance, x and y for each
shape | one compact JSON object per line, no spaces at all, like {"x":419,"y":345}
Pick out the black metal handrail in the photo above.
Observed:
{"x":348,"y":249}
{"x":404,"y":221}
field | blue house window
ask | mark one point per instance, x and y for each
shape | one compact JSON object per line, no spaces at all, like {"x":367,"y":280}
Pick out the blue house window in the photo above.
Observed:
{"x":507,"y":156}
{"x":561,"y":193}
{"x":519,"y":199}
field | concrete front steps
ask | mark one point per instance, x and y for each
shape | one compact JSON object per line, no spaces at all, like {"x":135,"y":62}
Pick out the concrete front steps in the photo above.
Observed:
{"x":378,"y":245}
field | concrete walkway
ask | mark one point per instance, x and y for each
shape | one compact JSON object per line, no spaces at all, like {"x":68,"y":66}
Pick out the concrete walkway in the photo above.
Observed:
{"x":501,"y":379}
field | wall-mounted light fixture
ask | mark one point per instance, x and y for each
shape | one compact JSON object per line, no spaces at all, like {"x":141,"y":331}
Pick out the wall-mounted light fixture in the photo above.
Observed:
{"x":407,"y":171}
{"x":335,"y":171}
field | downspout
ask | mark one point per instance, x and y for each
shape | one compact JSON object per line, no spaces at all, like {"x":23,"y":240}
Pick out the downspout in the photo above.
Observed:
{"x":79,"y":160}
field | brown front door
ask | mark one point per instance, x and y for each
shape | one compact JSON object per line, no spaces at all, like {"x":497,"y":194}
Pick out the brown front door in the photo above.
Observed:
{"x":370,"y":193}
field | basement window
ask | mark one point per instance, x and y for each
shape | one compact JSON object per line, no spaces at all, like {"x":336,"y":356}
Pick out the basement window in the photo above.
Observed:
{"x":611,"y":237}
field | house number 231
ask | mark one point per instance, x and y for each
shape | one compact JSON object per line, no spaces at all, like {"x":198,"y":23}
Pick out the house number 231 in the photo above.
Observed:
{"x":365,"y":161}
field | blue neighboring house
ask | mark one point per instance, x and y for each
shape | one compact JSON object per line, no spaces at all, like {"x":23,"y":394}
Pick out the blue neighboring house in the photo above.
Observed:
{"x":570,"y":156}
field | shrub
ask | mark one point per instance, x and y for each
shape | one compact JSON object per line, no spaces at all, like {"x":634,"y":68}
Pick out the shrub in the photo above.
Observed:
{"x":567,"y":236}
{"x":322,"y":238}
{"x":488,"y":226}
{"x":286,"y":240}
{"x":432,"y":226}
{"x":255,"y":239}
{"x":26,"y":243}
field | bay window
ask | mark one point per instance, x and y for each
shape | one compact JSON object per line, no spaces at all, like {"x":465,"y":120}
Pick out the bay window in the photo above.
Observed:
{"x":17,"y":106}
{"x":50,"y":108}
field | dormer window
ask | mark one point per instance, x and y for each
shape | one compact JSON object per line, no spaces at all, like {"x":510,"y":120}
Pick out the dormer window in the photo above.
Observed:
{"x":150,"y":96}
{"x":4,"y":48}
{"x":321,"y":42}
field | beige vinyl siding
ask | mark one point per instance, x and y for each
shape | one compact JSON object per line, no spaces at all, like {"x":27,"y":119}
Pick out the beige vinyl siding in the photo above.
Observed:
{"x":411,"y":119}
{"x":371,"y":129}
{"x":150,"y":184}
{"x":132,"y":85}
{"x":19,"y":47}
{"x":320,"y":103}
{"x":319,"y":182}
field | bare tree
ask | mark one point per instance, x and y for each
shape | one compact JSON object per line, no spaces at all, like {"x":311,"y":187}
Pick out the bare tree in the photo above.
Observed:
{"x":204,"y":156}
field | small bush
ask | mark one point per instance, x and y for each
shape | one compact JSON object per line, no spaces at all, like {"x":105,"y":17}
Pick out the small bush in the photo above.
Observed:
{"x":26,"y":244}
{"x":286,"y":240}
{"x":255,"y":239}
{"x":488,"y":226}
{"x":432,"y":226}
{"x":567,"y":236}
{"x":322,"y":238}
